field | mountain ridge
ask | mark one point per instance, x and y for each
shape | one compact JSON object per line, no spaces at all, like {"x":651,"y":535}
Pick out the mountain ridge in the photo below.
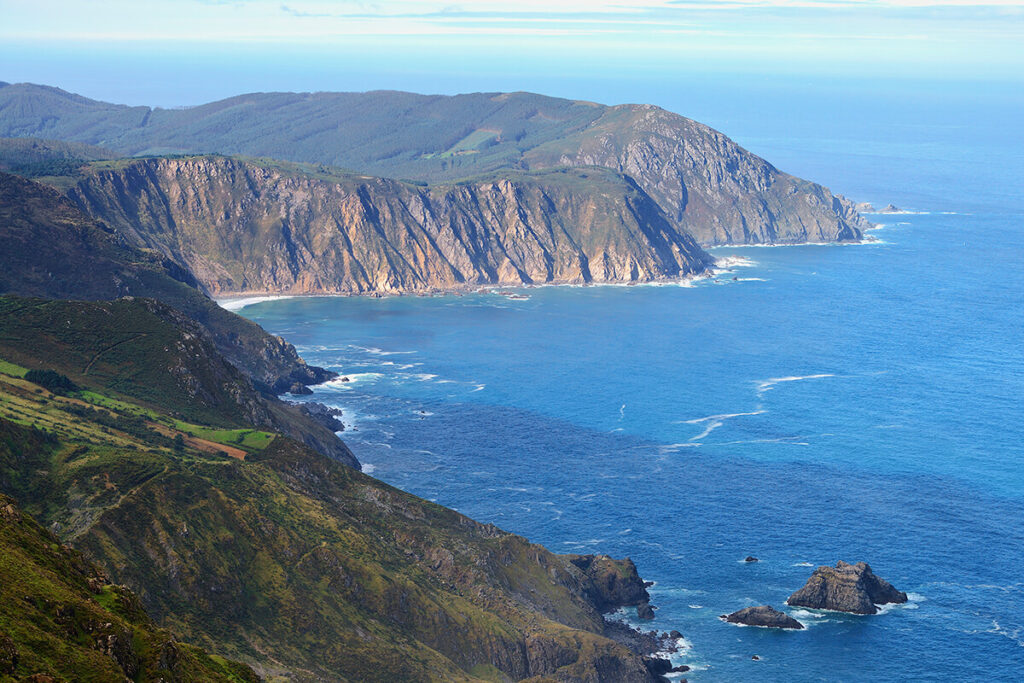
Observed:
{"x":706,"y":184}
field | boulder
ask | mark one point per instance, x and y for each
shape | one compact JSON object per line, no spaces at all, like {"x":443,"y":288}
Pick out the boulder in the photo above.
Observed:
{"x":644,"y":611}
{"x":751,"y":558}
{"x":763,"y":615}
{"x":846,"y":588}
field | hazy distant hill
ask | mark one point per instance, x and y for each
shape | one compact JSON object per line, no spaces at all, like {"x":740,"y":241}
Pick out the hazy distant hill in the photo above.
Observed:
{"x":705,"y":183}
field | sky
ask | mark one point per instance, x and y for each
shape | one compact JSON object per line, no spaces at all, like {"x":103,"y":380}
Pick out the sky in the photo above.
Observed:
{"x":183,"y":52}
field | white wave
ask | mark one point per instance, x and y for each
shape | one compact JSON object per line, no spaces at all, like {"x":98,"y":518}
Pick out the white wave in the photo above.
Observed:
{"x":769,"y":384}
{"x":239,"y":304}
{"x":479,"y":387}
{"x":707,"y":430}
{"x":914,"y":601}
{"x":803,"y":564}
{"x":673,"y":447}
{"x":347,"y":381}
{"x":368,"y":468}
{"x":734,"y":261}
{"x":751,"y":279}
{"x":716,"y":418}
{"x":800,"y":614}
{"x":696,"y":606}
{"x":380,"y":352}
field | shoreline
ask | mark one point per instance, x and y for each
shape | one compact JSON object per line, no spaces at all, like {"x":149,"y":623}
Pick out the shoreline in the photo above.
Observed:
{"x":236,"y":301}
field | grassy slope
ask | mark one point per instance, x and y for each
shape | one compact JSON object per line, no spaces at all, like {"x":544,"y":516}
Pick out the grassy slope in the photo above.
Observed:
{"x":52,"y":250}
{"x":285,"y":559}
{"x":61,"y":618}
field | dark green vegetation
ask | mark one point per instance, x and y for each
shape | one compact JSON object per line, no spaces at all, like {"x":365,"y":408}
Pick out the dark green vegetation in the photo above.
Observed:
{"x":290,"y":228}
{"x":53,"y":250}
{"x":705,"y":184}
{"x":279,"y":556}
{"x":51,"y":160}
{"x":62,"y":619}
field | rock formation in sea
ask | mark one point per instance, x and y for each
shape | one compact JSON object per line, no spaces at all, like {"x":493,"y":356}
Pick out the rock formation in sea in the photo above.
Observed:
{"x":846,"y":588}
{"x":763,"y":615}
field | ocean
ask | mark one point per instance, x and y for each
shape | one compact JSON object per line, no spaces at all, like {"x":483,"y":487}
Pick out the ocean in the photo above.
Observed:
{"x":807,"y":404}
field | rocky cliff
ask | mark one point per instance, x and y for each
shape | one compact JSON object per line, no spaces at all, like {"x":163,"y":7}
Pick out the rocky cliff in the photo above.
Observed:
{"x":705,"y":183}
{"x":52,"y":249}
{"x":710,"y":186}
{"x":247,"y":226}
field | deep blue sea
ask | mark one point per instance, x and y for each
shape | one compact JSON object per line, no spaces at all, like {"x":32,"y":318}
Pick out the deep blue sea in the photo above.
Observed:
{"x":808,"y":404}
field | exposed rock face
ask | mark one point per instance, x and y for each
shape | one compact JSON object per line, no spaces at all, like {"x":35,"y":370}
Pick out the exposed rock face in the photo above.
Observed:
{"x":846,"y":588}
{"x":245,"y":227}
{"x":713,"y":188}
{"x":51,"y":249}
{"x":704,"y":182}
{"x":612,"y":583}
{"x":763,"y":615}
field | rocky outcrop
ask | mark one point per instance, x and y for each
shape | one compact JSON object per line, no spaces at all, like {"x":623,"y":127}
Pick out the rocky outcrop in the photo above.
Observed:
{"x":846,"y":588}
{"x":241,"y":226}
{"x":763,"y":615}
{"x":710,"y":186}
{"x":324,"y":414}
{"x":704,"y":182}
{"x":611,"y":583}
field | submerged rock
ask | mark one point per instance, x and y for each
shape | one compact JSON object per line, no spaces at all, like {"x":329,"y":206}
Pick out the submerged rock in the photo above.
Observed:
{"x":846,"y":588}
{"x":751,"y":558}
{"x":763,"y":615}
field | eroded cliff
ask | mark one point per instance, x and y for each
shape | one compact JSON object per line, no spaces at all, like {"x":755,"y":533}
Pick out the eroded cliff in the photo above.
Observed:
{"x":247,"y":226}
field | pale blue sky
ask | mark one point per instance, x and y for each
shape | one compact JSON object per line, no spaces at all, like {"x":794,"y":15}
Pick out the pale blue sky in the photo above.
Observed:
{"x":179,"y":52}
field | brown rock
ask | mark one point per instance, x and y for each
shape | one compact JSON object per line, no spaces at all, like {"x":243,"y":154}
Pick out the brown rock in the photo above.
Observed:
{"x":846,"y":588}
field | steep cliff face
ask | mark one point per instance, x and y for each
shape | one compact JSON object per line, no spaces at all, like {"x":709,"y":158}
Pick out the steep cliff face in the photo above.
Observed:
{"x":710,"y":186}
{"x":52,"y":249}
{"x":704,"y":182}
{"x":243,"y":226}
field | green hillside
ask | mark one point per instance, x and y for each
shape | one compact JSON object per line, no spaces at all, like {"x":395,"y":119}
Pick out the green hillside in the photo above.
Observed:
{"x":62,"y":619}
{"x":266,"y":551}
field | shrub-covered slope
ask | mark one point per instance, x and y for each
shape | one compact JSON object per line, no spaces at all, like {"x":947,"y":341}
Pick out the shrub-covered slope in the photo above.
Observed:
{"x":62,"y":620}
{"x":268,"y":552}
{"x":51,"y":249}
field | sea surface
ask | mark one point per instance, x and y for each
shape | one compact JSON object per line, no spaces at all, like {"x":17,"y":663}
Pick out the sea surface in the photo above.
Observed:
{"x":805,"y":405}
